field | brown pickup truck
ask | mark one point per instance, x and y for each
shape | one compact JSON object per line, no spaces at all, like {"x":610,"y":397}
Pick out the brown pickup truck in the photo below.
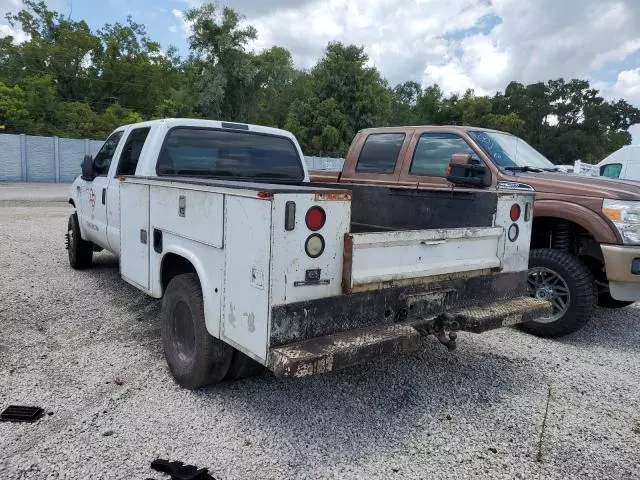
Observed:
{"x":585,"y":247}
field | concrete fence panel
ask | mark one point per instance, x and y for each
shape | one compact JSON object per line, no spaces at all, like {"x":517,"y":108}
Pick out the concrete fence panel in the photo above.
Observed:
{"x":41,"y":159}
{"x":71,"y":151}
{"x":10,"y":158}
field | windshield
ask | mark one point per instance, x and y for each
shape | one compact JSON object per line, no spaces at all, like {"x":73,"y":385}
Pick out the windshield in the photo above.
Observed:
{"x":510,"y":151}
{"x":220,"y":153}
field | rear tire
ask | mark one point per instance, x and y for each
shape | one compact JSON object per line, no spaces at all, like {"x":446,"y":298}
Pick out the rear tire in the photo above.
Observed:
{"x":567,"y":283}
{"x":196,"y":359}
{"x":80,"y":251}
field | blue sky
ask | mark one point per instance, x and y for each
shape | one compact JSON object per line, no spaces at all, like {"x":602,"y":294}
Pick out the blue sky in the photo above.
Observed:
{"x":459,"y":44}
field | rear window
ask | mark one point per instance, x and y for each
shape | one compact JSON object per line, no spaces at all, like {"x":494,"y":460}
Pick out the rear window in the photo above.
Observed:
{"x":225,"y":154}
{"x":380,"y":153}
{"x":612,"y":170}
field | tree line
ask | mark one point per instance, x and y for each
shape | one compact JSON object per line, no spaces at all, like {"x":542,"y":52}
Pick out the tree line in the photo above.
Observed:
{"x":69,"y":80}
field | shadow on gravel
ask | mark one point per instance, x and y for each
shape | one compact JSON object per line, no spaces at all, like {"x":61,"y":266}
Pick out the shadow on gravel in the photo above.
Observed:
{"x":610,"y":328}
{"x":384,"y":404}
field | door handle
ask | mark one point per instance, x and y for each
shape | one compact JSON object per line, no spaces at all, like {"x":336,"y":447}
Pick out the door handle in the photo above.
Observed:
{"x":104,"y":196}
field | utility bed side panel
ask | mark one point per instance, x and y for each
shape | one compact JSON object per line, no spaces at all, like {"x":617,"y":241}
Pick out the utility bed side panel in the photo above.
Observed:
{"x":515,"y":254}
{"x":289,"y":260}
{"x":246,"y":282}
{"x":134,"y":235}
{"x":190,"y":213}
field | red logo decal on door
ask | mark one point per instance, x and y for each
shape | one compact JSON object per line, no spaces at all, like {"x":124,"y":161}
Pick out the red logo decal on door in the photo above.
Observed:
{"x":92,"y":199}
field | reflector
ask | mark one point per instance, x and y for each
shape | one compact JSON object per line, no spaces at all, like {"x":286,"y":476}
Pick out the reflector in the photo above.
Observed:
{"x":315,"y":218}
{"x":515,"y":212}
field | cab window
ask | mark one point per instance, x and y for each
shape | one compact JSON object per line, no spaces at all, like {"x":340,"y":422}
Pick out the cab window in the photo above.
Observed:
{"x":102,"y":160}
{"x":131,"y":151}
{"x":612,"y":170}
{"x":433,"y":153}
{"x":380,"y":153}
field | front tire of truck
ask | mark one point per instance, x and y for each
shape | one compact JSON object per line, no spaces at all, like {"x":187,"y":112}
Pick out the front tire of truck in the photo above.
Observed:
{"x":567,"y":283}
{"x":80,"y":251}
{"x":196,"y":359}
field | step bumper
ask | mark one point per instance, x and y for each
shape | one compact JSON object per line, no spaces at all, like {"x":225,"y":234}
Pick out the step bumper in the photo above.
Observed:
{"x":344,"y":349}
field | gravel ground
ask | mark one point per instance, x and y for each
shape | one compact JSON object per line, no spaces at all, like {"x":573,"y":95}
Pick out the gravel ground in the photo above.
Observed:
{"x":86,"y":347}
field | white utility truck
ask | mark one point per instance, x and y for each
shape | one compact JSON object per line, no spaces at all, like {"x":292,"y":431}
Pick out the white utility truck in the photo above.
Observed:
{"x":258,"y":267}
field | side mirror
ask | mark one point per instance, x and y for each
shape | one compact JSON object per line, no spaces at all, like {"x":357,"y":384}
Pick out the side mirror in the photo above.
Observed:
{"x":463,"y":171}
{"x":88,"y":170}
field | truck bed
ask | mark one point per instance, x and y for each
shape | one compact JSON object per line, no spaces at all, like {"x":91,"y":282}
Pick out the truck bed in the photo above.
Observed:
{"x":382,"y":208}
{"x":377,"y":208}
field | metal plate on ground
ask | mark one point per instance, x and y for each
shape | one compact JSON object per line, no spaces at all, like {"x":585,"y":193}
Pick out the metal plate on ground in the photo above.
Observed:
{"x":19,"y":413}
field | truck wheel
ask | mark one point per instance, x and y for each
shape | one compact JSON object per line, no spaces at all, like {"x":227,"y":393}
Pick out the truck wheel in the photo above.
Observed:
{"x":195,"y":358}
{"x":243,"y":366}
{"x":607,"y":301}
{"x":80,"y":251}
{"x":564,"y":281}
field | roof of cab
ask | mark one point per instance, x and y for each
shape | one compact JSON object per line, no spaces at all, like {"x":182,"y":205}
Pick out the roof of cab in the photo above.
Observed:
{"x":201,"y":123}
{"x":460,"y":128}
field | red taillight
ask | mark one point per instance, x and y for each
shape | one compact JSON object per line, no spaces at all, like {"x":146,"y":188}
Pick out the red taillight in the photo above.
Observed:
{"x":315,"y":218}
{"x":515,"y":212}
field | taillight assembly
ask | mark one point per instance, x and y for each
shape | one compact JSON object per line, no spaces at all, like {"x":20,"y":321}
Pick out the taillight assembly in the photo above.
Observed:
{"x":314,"y":246}
{"x":515,"y":211}
{"x":315,"y":218}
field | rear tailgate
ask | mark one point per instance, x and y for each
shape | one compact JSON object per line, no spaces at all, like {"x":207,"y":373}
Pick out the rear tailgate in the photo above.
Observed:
{"x":375,"y":260}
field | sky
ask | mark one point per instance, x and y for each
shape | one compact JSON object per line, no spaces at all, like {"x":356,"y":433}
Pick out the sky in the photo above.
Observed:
{"x":459,"y":44}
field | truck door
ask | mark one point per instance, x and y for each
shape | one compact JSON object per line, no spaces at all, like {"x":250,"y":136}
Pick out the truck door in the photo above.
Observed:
{"x":94,"y":193}
{"x":126,"y":166}
{"x":429,"y":156}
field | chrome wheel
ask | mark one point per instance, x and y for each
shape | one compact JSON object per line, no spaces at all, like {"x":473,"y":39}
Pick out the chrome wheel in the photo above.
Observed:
{"x":545,"y":284}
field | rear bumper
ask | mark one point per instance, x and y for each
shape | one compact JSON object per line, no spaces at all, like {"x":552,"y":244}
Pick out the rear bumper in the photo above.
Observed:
{"x":624,"y":284}
{"x":332,"y":352}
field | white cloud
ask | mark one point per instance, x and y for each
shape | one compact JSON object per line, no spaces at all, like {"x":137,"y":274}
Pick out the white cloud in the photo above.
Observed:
{"x":628,"y":85}
{"x":11,"y":6}
{"x":446,"y":41}
{"x":184,"y":24}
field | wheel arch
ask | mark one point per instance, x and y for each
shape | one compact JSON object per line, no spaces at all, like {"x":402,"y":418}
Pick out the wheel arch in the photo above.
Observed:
{"x":176,"y":261}
{"x":590,"y":221}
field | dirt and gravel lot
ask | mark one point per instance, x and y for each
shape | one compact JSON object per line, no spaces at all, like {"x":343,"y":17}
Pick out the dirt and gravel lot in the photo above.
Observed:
{"x":86,"y":347}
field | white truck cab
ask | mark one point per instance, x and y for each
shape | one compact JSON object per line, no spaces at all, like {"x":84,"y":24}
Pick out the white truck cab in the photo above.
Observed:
{"x":257,"y":267}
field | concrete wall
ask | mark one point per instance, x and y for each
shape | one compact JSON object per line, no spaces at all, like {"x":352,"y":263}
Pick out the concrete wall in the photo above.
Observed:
{"x":25,"y":158}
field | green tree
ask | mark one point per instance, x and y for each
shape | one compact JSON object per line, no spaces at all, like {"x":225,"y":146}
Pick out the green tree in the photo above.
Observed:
{"x":227,"y":77}
{"x":359,"y":91}
{"x":14,"y":116}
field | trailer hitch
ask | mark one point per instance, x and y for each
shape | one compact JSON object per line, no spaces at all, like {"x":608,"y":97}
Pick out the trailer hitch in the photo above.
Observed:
{"x":448,"y":340}
{"x":444,"y":328}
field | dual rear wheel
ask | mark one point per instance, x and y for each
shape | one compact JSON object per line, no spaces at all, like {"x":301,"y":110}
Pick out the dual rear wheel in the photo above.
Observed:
{"x":196,"y":358}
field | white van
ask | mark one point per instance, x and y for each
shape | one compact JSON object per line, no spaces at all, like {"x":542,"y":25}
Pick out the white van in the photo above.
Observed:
{"x":623,"y":164}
